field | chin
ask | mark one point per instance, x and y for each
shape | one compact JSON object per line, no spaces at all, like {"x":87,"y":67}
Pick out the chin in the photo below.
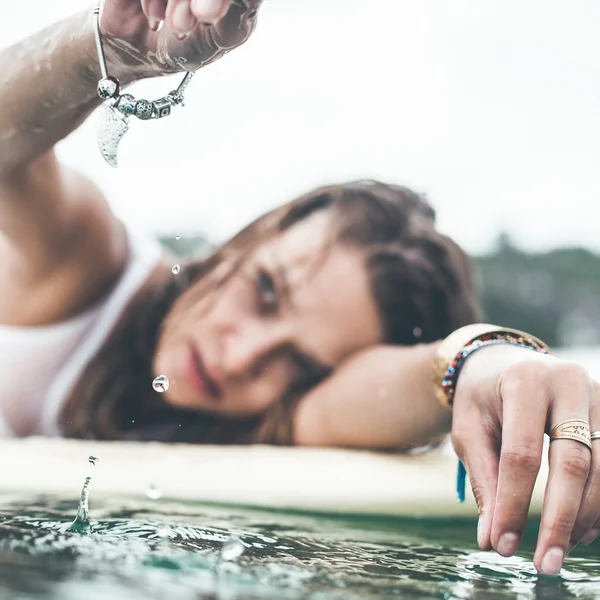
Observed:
{"x":176,"y":399}
{"x":184,"y":401}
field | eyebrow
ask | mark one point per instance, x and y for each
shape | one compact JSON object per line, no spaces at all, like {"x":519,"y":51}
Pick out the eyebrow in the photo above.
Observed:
{"x":310,"y":363}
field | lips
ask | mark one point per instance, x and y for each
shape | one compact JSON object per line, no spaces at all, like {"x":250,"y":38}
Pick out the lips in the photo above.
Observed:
{"x":201,"y":378}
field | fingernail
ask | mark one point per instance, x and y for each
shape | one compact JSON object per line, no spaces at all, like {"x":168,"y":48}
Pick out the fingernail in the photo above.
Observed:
{"x":154,"y":24}
{"x":589,"y":537}
{"x":480,"y":532}
{"x":553,"y":560}
{"x":508,"y":544}
{"x":207,"y":11}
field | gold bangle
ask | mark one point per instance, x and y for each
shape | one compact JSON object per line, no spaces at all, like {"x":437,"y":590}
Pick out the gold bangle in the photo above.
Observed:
{"x":458,"y":340}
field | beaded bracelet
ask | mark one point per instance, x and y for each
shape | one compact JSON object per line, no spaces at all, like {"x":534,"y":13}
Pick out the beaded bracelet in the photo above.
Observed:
{"x":445,"y":361}
{"x":491,"y":339}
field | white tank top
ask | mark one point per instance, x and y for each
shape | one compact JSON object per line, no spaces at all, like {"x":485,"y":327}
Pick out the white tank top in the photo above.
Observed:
{"x":40,"y":365}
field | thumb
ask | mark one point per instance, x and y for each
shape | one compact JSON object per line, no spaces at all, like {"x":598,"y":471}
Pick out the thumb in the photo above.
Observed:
{"x":480,"y":458}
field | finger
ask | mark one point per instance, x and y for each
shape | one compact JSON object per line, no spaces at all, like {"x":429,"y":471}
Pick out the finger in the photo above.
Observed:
{"x":180,"y":18}
{"x":591,"y":535}
{"x":237,"y":24}
{"x":155,"y":11}
{"x":481,"y":462}
{"x":209,"y":11}
{"x":569,"y":463}
{"x":525,"y":410}
{"x":589,"y":511}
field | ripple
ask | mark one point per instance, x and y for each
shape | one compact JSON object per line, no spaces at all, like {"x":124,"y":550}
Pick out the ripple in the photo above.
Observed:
{"x":161,"y":549}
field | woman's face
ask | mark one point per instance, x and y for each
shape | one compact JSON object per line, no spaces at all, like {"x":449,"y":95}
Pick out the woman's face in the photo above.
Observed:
{"x":290,"y":314}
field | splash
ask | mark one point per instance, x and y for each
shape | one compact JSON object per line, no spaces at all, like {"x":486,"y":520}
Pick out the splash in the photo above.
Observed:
{"x":81,"y":524}
{"x":232,"y":549}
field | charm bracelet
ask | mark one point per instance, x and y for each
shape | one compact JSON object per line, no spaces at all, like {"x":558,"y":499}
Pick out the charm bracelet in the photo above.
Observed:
{"x":118,"y":108}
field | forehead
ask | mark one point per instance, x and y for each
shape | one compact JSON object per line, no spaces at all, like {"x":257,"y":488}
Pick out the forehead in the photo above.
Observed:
{"x":331,"y":308}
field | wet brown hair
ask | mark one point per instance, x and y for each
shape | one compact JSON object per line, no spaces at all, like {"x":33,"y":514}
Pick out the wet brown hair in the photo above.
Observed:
{"x":420,"y":279}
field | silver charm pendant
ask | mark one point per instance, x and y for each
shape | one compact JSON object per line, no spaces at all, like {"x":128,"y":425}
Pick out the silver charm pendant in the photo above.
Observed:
{"x":116,"y":111}
{"x":112,"y":126}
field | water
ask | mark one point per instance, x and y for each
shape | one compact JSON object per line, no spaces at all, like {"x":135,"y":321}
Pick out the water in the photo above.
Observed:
{"x":232,"y":549}
{"x":81,"y":524}
{"x":161,"y":383}
{"x":176,"y":269}
{"x":153,"y":492}
{"x":148,"y":550}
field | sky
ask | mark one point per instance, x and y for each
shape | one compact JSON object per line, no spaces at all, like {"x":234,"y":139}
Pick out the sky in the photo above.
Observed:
{"x":490,"y":107}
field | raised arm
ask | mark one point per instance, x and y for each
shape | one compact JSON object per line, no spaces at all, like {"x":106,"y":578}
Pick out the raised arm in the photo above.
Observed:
{"x":60,"y":246}
{"x":54,"y":224}
{"x":48,"y":81}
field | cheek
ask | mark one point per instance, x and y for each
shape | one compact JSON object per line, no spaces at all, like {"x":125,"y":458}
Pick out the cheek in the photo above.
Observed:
{"x":259,"y":395}
{"x":224,"y":307}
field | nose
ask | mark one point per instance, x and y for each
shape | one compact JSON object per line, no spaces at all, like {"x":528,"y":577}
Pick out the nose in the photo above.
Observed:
{"x":247,"y":350}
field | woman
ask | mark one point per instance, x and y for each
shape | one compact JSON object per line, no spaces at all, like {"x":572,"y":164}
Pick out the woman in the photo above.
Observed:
{"x":316,"y":325}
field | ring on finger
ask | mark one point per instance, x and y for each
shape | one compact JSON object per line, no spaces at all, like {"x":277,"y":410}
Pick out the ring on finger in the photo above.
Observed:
{"x":595,"y":435}
{"x":573,"y":429}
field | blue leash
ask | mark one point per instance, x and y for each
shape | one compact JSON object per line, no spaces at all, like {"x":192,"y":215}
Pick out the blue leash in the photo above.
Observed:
{"x":461,"y":481}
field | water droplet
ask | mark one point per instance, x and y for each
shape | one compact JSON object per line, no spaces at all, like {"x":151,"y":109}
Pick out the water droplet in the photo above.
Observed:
{"x":177,"y":237}
{"x":417,"y":332}
{"x":93,"y":460}
{"x":153,"y":492}
{"x":232,"y":548}
{"x":160,"y":384}
{"x":164,"y":533}
{"x":175,"y":270}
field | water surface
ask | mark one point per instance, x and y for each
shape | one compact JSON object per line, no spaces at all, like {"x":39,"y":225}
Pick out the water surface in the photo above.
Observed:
{"x":146,"y":549}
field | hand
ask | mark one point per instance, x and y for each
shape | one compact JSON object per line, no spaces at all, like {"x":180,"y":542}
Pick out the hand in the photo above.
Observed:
{"x":165,"y":36}
{"x":506,"y":398}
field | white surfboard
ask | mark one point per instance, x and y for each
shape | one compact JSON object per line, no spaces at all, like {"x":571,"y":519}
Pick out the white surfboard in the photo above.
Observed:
{"x":307,"y":479}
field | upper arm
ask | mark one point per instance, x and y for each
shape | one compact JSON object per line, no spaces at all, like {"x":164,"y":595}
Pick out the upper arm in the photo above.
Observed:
{"x":381,"y":397}
{"x":60,"y":246}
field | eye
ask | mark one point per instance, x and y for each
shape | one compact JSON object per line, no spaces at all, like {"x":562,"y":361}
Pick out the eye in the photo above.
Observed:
{"x":266,"y":292}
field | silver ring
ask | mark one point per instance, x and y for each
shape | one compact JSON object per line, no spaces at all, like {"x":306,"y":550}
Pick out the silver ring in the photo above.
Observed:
{"x":595,"y":435}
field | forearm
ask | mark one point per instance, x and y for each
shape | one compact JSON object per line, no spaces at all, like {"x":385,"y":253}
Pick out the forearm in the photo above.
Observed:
{"x":48,"y":88}
{"x":382,"y":398}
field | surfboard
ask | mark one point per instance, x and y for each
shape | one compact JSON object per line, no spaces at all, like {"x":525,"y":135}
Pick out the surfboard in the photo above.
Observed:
{"x":325,"y":480}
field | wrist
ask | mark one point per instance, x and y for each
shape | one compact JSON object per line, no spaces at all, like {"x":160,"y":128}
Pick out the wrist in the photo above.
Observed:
{"x":454,"y":352}
{"x":123,"y":61}
{"x":434,"y":419}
